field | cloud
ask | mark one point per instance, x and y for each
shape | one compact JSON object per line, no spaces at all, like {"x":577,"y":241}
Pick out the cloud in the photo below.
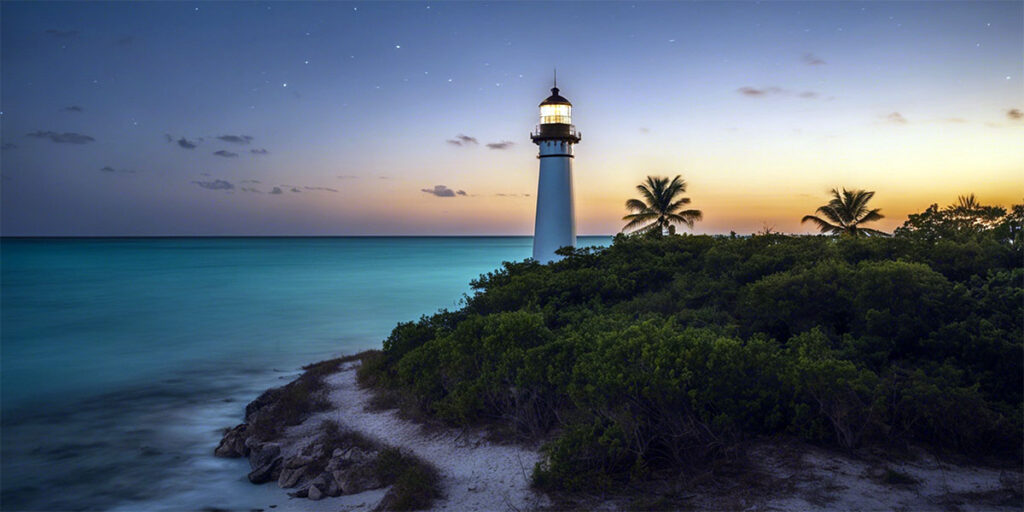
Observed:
{"x":61,"y":34}
{"x":505,"y":144}
{"x":754,"y":92}
{"x":259,"y":151}
{"x":812,"y":60}
{"x":462,"y":140}
{"x":461,"y":192}
{"x":757,"y":93}
{"x":225,"y":154}
{"x":250,"y":181}
{"x":440,"y":191}
{"x":236,"y":139}
{"x":124,"y":41}
{"x":111,"y":170}
{"x":384,"y":177}
{"x":1015,"y":114}
{"x":276,"y":191}
{"x":72,"y":108}
{"x":325,"y":189}
{"x":645,"y":130}
{"x":896,"y":118}
{"x":187,"y":144}
{"x":250,"y":189}
{"x":8,"y":145}
{"x":63,"y":138}
{"x":296,"y":190}
{"x":347,"y":177}
{"x":512,"y":195}
{"x":215,"y":185}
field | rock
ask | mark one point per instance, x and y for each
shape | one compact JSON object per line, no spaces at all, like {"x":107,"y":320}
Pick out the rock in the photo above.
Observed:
{"x":333,"y":488}
{"x":315,"y":493}
{"x":261,"y":454}
{"x":266,"y":472}
{"x":298,"y":462}
{"x":290,"y":477}
{"x":301,"y":493}
{"x":233,"y":444}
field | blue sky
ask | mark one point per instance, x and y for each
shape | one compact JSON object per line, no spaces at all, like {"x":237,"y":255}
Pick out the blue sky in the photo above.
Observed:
{"x":113,"y":113}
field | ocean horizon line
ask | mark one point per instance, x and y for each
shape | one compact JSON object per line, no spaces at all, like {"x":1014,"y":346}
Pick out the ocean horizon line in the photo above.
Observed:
{"x":122,"y":237}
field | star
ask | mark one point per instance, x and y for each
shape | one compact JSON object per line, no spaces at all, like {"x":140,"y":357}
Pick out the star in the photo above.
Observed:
{"x":398,"y":47}
{"x":284,"y":84}
{"x":306,"y":62}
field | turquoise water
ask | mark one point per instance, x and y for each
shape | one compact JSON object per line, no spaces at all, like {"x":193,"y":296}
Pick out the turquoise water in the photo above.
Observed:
{"x":123,"y":358}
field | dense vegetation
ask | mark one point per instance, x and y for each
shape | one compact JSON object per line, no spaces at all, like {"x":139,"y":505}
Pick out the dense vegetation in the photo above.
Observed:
{"x":663,"y":352}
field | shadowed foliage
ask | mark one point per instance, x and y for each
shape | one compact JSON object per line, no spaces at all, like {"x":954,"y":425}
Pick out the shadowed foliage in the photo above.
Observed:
{"x":845,"y":214}
{"x":660,"y":208}
{"x":662,"y":356}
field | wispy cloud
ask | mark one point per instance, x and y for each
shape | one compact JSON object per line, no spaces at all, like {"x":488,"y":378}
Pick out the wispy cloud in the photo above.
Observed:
{"x":896,"y":118}
{"x":62,"y":138}
{"x":441,"y":191}
{"x":259,"y":151}
{"x":296,"y":190}
{"x":774,"y":90}
{"x":236,"y":139}
{"x":812,"y":60}
{"x":61,"y":34}
{"x":215,"y":185}
{"x":754,"y":92}
{"x":276,"y":191}
{"x":505,"y":144}
{"x":463,"y":140}
{"x":1015,"y":114}
{"x":324,"y":189}
{"x":251,"y":189}
{"x":187,"y":144}
{"x":72,"y":108}
{"x":511,"y":195}
{"x":250,"y":181}
{"x":225,"y":154}
{"x":111,"y":170}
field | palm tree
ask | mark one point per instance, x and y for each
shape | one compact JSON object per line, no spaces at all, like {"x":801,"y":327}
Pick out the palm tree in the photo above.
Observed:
{"x":845,"y":213}
{"x":659,"y":208}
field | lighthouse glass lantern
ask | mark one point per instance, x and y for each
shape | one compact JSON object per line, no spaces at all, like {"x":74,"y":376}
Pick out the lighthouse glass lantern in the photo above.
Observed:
{"x":555,"y":113}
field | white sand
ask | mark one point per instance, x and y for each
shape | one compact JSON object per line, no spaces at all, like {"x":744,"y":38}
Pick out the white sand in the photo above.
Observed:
{"x":477,"y":475}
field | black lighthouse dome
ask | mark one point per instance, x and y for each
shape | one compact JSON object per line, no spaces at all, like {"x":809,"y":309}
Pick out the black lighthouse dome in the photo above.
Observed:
{"x":555,"y":99}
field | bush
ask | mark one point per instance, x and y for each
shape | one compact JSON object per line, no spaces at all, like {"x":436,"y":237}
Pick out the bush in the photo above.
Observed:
{"x":659,"y":354}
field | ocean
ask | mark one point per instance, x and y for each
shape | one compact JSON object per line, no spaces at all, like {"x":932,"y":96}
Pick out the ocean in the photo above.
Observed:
{"x":122,"y":359}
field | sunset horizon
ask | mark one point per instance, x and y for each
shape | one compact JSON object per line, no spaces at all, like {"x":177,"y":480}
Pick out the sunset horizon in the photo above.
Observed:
{"x":322,"y":125}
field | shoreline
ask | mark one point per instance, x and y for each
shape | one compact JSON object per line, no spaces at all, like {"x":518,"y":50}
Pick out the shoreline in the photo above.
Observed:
{"x":476,"y":473}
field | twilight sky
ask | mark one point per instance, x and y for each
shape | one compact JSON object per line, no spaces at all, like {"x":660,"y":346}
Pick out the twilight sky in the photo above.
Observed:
{"x":253,"y":118}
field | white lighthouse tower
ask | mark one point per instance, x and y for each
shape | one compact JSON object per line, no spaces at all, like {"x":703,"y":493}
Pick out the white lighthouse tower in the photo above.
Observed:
{"x":556,"y":218}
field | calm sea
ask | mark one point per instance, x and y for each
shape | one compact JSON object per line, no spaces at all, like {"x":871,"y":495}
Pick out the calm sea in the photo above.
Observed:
{"x":122,"y":359}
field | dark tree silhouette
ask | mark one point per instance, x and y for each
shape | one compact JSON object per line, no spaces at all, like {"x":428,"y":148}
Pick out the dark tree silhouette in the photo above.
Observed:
{"x":845,"y":214}
{"x":659,"y":208}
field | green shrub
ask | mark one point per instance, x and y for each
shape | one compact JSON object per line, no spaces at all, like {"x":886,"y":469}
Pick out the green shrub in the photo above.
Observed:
{"x":664,"y":353}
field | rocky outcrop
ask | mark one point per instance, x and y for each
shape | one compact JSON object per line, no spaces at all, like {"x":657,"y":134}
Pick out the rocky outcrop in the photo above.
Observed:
{"x":232,"y":445}
{"x":331,"y":464}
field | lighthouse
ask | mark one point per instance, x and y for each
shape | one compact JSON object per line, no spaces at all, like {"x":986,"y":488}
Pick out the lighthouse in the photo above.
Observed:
{"x":555,"y":226}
